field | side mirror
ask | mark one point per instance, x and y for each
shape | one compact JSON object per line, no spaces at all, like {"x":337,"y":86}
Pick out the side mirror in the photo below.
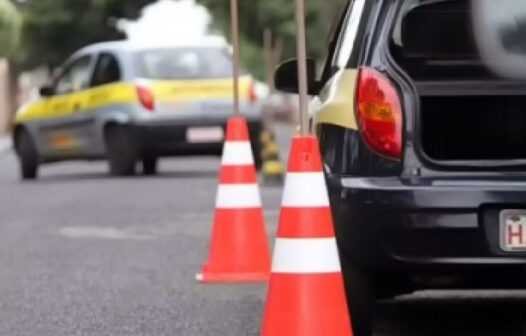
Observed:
{"x":46,"y":91}
{"x":286,"y":77}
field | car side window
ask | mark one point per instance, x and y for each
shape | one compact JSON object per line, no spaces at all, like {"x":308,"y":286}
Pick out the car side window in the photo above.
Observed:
{"x":107,"y":70}
{"x":348,"y":36}
{"x":333,"y":41}
{"x":345,"y":38}
{"x":75,"y":77}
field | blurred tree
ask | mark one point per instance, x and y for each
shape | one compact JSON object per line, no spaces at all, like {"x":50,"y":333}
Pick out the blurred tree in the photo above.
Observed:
{"x":10,"y":27}
{"x":278,"y":15}
{"x":10,"y":30}
{"x":54,"y":29}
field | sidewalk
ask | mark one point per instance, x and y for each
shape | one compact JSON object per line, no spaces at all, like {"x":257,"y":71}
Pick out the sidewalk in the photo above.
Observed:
{"x":5,"y":144}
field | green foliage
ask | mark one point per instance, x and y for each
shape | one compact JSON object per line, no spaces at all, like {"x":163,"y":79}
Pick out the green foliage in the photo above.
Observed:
{"x":10,"y":27}
{"x":54,"y":29}
{"x":278,"y":15}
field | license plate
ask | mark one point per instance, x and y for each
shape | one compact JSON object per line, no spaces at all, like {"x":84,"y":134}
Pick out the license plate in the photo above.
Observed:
{"x":513,"y":230}
{"x":204,"y":134}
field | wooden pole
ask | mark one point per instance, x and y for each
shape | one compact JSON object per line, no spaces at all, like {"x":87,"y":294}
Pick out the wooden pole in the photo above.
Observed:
{"x":269,"y":59}
{"x":302,"y":66}
{"x":235,"y":46}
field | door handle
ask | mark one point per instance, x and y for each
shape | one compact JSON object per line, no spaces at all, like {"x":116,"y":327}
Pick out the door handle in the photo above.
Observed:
{"x":76,"y":107}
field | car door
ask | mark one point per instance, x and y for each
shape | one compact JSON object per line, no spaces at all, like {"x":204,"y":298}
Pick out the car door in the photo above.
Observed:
{"x":64,"y":128}
{"x":334,"y":105}
{"x":104,"y":94}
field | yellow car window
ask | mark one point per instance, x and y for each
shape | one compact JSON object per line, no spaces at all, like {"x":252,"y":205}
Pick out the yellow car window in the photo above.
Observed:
{"x":75,"y":77}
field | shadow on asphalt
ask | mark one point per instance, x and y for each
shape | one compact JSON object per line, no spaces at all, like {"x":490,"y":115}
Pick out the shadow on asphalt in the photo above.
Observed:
{"x":69,"y":177}
{"x":452,"y":317}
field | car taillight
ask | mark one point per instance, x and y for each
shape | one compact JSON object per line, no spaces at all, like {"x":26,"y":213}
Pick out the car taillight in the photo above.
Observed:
{"x":379,"y":113}
{"x":252,"y":94}
{"x":146,"y":97}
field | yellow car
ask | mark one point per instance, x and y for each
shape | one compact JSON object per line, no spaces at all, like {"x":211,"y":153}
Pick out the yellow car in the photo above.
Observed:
{"x":129,"y":104}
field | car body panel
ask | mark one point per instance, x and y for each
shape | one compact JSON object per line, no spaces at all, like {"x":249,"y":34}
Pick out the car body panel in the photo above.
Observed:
{"x":86,"y":100}
{"x":185,"y":90}
{"x":336,"y":104}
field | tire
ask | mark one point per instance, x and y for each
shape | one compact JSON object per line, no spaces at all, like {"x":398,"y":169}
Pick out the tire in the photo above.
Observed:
{"x":149,"y":165}
{"x":27,"y":156}
{"x":359,"y":287}
{"x":121,"y":150}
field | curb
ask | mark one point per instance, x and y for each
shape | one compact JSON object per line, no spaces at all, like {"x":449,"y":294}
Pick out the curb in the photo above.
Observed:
{"x":5,"y":145}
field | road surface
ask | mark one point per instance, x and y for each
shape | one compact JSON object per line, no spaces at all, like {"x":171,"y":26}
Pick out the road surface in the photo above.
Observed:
{"x":82,"y":253}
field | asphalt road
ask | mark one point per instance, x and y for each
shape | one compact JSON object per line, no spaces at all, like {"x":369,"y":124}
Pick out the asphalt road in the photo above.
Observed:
{"x":82,"y":253}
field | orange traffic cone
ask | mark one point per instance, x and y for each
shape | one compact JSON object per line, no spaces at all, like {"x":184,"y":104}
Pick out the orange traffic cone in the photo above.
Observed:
{"x":239,"y":249}
{"x":306,"y":295}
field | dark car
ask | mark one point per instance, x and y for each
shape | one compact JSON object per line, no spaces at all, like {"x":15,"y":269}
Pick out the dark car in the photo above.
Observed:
{"x":422,"y":126}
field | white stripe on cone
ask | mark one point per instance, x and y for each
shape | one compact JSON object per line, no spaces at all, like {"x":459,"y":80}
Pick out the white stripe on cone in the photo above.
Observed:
{"x":237,"y":153}
{"x":236,"y":196}
{"x":305,"y":190}
{"x":306,"y":256}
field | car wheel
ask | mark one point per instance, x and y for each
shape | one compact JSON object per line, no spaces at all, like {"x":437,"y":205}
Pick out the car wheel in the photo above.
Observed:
{"x":27,"y":156}
{"x":149,"y":165}
{"x":121,"y":150}
{"x":359,"y":286}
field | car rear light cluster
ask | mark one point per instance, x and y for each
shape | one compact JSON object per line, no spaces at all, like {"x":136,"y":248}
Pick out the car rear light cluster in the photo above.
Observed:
{"x":379,"y":113}
{"x":146,"y":98}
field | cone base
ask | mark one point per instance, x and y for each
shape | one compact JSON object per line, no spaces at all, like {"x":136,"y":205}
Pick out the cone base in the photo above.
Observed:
{"x":306,"y":305}
{"x":207,"y":277}
{"x":239,"y":246}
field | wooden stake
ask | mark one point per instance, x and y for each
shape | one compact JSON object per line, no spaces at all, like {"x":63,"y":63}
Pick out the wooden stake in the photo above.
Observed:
{"x":235,"y":46}
{"x":269,"y":58}
{"x":302,"y":67}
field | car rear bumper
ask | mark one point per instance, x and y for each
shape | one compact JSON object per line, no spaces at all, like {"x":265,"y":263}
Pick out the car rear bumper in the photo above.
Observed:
{"x":170,"y":137}
{"x":437,"y":229}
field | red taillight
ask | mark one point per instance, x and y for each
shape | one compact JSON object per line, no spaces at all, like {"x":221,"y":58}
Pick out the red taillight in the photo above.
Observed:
{"x":379,"y":113}
{"x":252,"y":94}
{"x":146,"y":98}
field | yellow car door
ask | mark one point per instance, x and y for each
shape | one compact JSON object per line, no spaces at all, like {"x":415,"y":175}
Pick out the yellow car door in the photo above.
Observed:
{"x":65,"y":131}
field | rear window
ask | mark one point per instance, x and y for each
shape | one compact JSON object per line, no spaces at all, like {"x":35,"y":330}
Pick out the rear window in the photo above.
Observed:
{"x":461,"y":39}
{"x":184,"y":63}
